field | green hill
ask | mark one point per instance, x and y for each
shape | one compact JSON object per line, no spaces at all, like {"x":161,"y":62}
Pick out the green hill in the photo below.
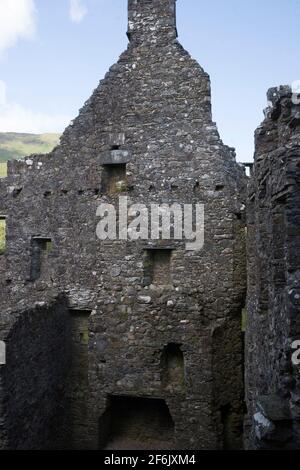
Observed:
{"x":14,"y":145}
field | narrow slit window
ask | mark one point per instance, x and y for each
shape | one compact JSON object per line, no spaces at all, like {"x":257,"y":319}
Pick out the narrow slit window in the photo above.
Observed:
{"x":114,"y":178}
{"x":79,"y":365}
{"x":40,"y":249}
{"x":2,"y":233}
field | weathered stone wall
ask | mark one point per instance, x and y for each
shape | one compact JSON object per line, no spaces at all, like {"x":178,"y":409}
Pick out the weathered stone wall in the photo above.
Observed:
{"x":2,"y":268}
{"x":3,"y":210}
{"x":272,"y":381}
{"x":33,"y":382}
{"x":152,"y":112}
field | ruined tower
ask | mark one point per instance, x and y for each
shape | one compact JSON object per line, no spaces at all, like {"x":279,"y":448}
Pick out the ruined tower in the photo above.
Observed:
{"x":144,"y":335}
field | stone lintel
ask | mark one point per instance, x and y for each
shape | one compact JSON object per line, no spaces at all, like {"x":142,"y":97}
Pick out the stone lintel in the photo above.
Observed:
{"x":115,"y":157}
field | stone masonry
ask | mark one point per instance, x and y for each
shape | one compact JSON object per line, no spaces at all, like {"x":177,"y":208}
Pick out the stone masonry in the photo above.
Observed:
{"x":121,"y":344}
{"x":273,"y":213}
{"x":33,"y":382}
{"x":145,"y":331}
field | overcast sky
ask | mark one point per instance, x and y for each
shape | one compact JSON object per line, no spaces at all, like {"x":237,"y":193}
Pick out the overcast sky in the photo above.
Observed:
{"x":54,"y":52}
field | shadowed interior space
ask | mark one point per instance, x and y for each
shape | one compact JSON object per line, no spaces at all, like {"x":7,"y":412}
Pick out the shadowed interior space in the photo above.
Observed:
{"x":136,"y":423}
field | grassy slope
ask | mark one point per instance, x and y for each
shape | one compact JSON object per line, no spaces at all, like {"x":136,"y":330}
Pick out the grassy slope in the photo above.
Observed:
{"x":13,"y":145}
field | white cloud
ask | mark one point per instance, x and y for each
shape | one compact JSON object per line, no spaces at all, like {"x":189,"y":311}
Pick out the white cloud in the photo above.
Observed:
{"x":77,"y":11}
{"x":17,"y":21}
{"x":17,"y":118}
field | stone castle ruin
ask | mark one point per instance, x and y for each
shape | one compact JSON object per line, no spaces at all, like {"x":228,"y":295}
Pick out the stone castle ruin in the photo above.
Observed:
{"x":138,"y":344}
{"x":273,"y":223}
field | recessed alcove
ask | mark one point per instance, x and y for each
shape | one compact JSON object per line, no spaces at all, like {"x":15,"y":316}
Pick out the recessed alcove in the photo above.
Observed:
{"x":136,"y":423}
{"x":80,"y":340}
{"x":78,"y":381}
{"x":40,"y":249}
{"x":172,"y":366}
{"x":114,"y":178}
{"x":157,"y":266}
{"x":80,"y":325}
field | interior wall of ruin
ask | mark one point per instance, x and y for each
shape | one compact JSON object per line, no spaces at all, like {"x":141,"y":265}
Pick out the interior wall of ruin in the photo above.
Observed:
{"x":33,"y":381}
{"x":272,"y":379}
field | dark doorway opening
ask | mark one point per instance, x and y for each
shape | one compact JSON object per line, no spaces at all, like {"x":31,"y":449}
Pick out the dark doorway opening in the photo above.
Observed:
{"x":133,"y":423}
{"x":172,"y":366}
